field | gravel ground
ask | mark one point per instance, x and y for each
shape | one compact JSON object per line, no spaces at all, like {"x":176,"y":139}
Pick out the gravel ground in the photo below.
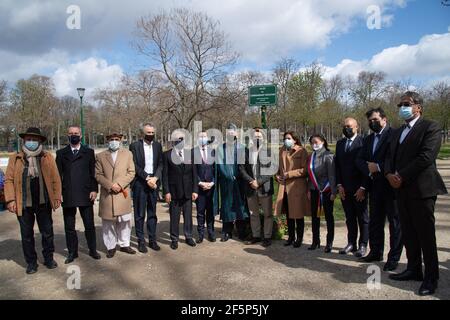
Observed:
{"x":218,"y":270}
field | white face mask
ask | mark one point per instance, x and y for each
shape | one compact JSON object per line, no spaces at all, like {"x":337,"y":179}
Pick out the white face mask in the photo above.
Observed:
{"x":317,"y":147}
{"x":114,"y":145}
{"x":288,"y":143}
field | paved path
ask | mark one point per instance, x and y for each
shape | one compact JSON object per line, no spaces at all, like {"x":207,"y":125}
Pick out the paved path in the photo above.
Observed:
{"x":218,"y":270}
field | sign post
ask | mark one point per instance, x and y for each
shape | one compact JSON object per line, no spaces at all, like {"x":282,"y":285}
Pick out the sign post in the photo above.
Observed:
{"x":262,"y":96}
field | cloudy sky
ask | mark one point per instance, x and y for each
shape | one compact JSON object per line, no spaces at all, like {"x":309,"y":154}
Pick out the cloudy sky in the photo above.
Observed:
{"x":413,"y":41}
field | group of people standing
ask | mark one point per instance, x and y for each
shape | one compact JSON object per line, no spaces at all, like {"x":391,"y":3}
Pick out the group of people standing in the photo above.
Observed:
{"x":390,"y":173}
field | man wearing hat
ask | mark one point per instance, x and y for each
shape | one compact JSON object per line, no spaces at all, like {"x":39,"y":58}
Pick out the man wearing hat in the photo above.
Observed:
{"x":233,"y":204}
{"x":115,"y":171}
{"x":32,"y":190}
{"x":76,"y":165}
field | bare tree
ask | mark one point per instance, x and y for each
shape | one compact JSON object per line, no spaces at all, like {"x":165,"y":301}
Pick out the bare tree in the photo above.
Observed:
{"x":193,"y":56}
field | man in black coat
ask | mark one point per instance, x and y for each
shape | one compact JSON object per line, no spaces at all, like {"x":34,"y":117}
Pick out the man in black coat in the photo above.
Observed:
{"x":76,"y":166}
{"x":204,"y":160}
{"x":148,"y":161}
{"x":410,"y":168}
{"x":180,"y":188}
{"x":350,"y":182}
{"x":382,"y":202}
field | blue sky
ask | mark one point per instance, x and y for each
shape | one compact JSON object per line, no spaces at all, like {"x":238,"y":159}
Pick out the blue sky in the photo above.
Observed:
{"x":413,"y":42}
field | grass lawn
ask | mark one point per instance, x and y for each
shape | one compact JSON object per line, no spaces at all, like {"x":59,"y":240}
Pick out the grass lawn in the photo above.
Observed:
{"x":445,"y":151}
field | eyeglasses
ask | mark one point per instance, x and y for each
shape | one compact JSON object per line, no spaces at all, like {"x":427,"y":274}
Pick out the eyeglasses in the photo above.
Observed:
{"x":405,"y":104}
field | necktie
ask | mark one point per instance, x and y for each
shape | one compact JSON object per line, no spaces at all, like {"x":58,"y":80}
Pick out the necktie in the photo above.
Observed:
{"x":75,"y":152}
{"x":347,"y":145}
{"x":375,"y":142}
{"x":203,"y":155}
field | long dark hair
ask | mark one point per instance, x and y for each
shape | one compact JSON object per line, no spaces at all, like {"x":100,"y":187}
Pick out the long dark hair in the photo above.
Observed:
{"x":294,"y":137}
{"x":321,"y":137}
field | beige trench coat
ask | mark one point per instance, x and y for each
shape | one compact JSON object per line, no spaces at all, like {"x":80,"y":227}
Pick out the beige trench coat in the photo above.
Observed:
{"x":294,"y":163}
{"x":107,"y":173}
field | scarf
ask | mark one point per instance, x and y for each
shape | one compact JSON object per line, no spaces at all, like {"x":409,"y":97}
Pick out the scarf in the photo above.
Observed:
{"x":33,"y":170}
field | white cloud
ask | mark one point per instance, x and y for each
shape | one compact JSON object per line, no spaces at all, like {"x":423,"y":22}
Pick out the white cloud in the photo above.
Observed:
{"x":90,"y":73}
{"x":430,"y":57}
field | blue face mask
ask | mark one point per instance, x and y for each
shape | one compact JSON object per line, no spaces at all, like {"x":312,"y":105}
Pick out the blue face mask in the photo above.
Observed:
{"x":32,"y":145}
{"x":405,"y":112}
{"x":203,"y":141}
{"x":288,"y":143}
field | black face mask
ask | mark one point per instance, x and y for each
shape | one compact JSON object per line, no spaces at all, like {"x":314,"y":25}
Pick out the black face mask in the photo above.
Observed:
{"x":348,"y":132}
{"x":149,"y":137}
{"x":74,"y":140}
{"x":375,"y":126}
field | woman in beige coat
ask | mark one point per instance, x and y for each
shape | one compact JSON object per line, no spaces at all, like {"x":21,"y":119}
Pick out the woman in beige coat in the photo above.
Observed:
{"x":114,"y":171}
{"x":293,"y":187}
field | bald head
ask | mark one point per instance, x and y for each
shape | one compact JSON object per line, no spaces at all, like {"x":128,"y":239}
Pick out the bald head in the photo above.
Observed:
{"x":350,"y":127}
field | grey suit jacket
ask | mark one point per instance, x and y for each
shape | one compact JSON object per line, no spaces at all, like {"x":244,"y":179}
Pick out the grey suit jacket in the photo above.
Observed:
{"x":324,"y":170}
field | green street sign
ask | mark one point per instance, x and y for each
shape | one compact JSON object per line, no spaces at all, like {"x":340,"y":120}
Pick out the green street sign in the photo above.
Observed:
{"x":265,"y":95}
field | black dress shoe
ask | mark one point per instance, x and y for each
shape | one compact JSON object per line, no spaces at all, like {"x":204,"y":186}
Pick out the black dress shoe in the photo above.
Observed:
{"x":191,"y":242}
{"x":32,"y":268}
{"x":111,"y":253}
{"x":211,"y":239}
{"x":174,"y":245}
{"x":361,"y":252}
{"x":390,"y":266}
{"x":314,"y":246}
{"x":50,"y":264}
{"x":289,"y":242}
{"x":128,"y":250}
{"x":154,"y":246}
{"x":328,"y":248}
{"x":371,"y":257}
{"x":199,"y":240}
{"x":266,"y":243}
{"x":142,"y":247}
{"x":225,"y":237}
{"x":348,"y":248}
{"x":407,"y":275}
{"x":95,"y":255}
{"x":428,"y":287}
{"x":71,"y":257}
{"x":298,"y":243}
{"x":253,"y":241}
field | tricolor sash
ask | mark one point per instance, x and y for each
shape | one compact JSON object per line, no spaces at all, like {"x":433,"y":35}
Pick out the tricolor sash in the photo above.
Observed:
{"x":312,"y":177}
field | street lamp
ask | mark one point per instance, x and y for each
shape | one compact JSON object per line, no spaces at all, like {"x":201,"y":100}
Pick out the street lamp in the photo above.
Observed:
{"x":81,"y":95}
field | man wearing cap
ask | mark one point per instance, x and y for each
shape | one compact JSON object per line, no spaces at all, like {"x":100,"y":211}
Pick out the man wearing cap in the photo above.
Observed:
{"x":233,"y":204}
{"x":114,"y":172}
{"x":76,"y":165}
{"x":32,"y":190}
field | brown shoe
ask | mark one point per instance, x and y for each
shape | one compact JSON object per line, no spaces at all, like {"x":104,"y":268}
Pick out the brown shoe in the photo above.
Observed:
{"x":128,"y":250}
{"x":111,"y":253}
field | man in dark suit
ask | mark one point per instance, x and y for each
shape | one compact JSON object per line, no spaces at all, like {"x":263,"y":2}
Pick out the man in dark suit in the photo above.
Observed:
{"x":349,"y":181}
{"x":76,"y":166}
{"x":204,"y":157}
{"x":148,"y":161}
{"x":410,"y":168}
{"x":180,"y":188}
{"x":381,"y":195}
{"x":257,"y":173}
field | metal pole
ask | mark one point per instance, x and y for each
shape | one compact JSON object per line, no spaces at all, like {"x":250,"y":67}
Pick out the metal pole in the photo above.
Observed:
{"x":263,"y":117}
{"x":83,"y":140}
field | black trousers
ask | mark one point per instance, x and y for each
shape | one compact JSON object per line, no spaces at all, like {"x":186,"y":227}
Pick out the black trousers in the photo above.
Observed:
{"x":327,"y":205}
{"x":419,"y":234}
{"x":294,"y":225}
{"x":205,"y":212}
{"x":144,"y":202}
{"x":242,"y":228}
{"x":356,"y":215}
{"x":43,"y":216}
{"x":87,"y":215}
{"x":380,"y":207}
{"x":175,"y":208}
